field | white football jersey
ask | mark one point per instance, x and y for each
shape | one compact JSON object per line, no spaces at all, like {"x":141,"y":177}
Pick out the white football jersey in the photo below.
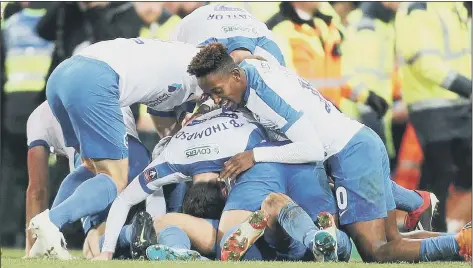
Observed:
{"x":278,"y":97}
{"x":203,"y":146}
{"x":233,"y":26}
{"x":151,"y":71}
{"x":43,"y":129}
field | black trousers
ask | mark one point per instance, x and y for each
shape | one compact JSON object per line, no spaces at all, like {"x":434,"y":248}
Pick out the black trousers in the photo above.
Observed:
{"x":445,"y":136}
{"x":13,"y":187}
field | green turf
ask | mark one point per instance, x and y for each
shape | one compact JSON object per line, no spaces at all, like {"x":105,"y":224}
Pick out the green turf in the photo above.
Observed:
{"x":12,"y":258}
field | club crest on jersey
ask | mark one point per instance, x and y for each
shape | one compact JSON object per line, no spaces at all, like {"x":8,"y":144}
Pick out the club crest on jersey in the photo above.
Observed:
{"x":150,"y":175}
{"x":174,"y":87}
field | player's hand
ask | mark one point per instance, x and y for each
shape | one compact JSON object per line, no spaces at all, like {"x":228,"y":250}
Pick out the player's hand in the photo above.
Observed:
{"x":377,"y":103}
{"x":104,"y":256}
{"x":188,"y":118}
{"x":238,"y":164}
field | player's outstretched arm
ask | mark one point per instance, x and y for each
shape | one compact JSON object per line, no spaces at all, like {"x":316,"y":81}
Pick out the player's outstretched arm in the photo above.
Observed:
{"x":132,"y":195}
{"x":37,"y":192}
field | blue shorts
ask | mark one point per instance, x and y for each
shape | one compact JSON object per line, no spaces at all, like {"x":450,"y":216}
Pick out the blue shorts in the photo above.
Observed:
{"x":306,"y":184}
{"x":83,"y":94}
{"x":138,"y":158}
{"x":362,"y":179}
{"x":137,"y":162}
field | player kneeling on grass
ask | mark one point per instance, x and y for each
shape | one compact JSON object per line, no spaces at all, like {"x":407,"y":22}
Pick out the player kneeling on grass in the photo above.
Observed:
{"x":286,"y":103}
{"x":44,"y":133}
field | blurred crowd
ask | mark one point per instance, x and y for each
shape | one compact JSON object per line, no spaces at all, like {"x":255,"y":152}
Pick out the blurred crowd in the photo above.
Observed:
{"x":368,"y":58}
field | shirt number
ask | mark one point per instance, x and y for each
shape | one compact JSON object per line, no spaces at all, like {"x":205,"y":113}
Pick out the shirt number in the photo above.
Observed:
{"x":341,"y":195}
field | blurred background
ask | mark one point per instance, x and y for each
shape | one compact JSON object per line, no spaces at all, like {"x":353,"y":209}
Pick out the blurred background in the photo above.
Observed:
{"x":335,"y":45}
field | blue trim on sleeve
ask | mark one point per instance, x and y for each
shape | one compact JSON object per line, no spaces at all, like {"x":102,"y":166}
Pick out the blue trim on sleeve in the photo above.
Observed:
{"x":250,"y":44}
{"x":256,"y":137}
{"x":160,"y":171}
{"x":289,"y":124}
{"x":39,"y":143}
{"x":164,"y":170}
{"x":236,"y":42}
{"x":273,"y":143}
{"x":161,"y":113}
{"x":269,"y":96}
{"x":244,"y":65}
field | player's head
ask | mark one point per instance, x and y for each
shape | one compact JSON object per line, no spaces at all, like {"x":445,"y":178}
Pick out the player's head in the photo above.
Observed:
{"x":205,"y":199}
{"x":218,"y":75}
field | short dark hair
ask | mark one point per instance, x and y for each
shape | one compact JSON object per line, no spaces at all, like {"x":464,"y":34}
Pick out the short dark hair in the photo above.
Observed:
{"x":204,"y":200}
{"x":212,"y":57}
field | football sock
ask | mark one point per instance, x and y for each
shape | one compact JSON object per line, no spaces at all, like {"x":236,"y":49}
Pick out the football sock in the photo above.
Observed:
{"x":91,"y":197}
{"x":174,"y":237}
{"x":70,"y":184}
{"x":439,"y":248}
{"x":406,"y":200}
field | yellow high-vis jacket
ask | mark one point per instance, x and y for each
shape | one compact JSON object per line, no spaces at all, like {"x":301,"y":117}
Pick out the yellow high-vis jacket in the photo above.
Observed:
{"x":433,"y":44}
{"x":312,"y":48}
{"x":162,"y":28}
{"x":368,"y":53}
{"x":28,"y":56}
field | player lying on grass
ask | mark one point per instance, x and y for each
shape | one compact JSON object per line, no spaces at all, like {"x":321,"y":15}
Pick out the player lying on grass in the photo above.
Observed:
{"x":44,"y":136}
{"x":177,"y":232}
{"x":206,"y":140}
{"x":269,"y":187}
{"x":356,"y":156}
{"x":198,"y":150}
{"x":86,"y":92}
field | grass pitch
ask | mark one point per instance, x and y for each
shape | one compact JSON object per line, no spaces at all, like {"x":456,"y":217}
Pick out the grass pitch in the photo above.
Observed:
{"x":12,"y":258}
